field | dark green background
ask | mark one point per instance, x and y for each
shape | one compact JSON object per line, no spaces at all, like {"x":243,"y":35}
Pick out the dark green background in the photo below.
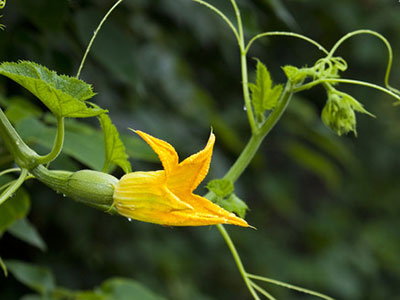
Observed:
{"x":326,"y":208}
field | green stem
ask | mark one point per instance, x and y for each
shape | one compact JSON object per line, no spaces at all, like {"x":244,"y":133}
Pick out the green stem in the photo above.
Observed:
{"x":289,"y":286}
{"x":284,"y":33}
{"x":246,"y":92}
{"x":244,"y":159}
{"x":256,"y":139}
{"x":350,"y":81}
{"x":94,"y":37}
{"x":262,"y":291}
{"x":238,"y":20}
{"x":4,"y":186}
{"x":57,"y":146}
{"x":237,"y":259}
{"x":14,"y":187}
{"x":277,"y":113}
{"x":383,"y":39}
{"x":10,"y":171}
{"x":241,"y":164}
{"x":24,"y":156}
{"x":243,"y":64}
{"x":221,"y":14}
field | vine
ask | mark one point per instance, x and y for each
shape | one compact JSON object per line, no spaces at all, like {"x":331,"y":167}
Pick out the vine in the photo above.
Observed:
{"x":265,"y":103}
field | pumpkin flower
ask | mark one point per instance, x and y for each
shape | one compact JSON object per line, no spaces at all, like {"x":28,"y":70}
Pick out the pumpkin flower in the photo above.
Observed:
{"x":166,"y":197}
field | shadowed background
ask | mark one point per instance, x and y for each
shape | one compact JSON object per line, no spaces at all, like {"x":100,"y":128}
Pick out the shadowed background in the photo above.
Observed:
{"x":326,"y":208}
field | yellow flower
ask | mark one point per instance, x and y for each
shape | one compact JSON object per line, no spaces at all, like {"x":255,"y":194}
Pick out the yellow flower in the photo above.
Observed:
{"x":166,"y":197}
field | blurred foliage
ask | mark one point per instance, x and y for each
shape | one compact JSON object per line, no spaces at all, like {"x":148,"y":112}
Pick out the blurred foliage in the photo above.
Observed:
{"x":326,"y":208}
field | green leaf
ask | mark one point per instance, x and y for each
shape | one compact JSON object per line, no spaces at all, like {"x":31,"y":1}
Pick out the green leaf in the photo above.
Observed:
{"x":38,"y":278}
{"x":19,"y":108}
{"x":13,"y":209}
{"x":295,"y":75}
{"x":114,"y":148}
{"x":82,"y":142}
{"x":273,"y":96}
{"x":234,"y":204}
{"x":126,"y":289}
{"x":264,"y":97}
{"x":220,"y":187}
{"x":3,"y":267}
{"x":65,"y":96}
{"x":26,"y":232}
{"x":261,"y":88}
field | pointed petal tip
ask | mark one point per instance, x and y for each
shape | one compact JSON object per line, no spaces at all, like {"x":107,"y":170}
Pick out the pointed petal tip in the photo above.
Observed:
{"x":234,"y":220}
{"x":212,"y":136}
{"x":243,"y":223}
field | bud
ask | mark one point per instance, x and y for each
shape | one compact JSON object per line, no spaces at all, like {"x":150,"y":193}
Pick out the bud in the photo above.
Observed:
{"x":339,"y":112}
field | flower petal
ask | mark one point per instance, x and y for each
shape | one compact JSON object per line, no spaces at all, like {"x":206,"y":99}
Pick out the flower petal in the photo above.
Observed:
{"x":166,"y":153}
{"x":201,"y":219}
{"x":146,"y":190}
{"x":190,"y":172}
{"x":204,"y":212}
